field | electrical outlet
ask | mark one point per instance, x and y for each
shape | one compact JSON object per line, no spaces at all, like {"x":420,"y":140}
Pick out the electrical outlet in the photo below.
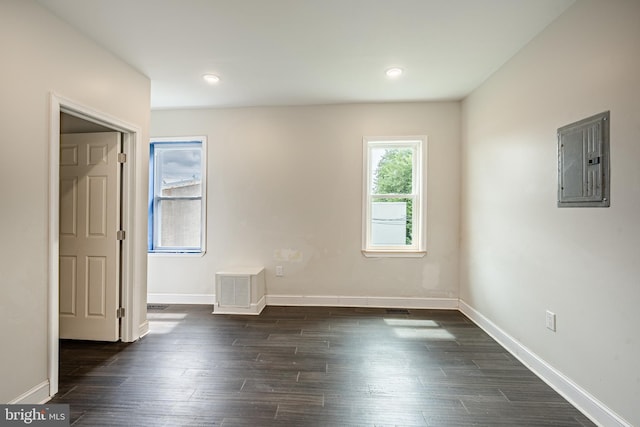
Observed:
{"x":279,"y":271}
{"x":551,"y":321}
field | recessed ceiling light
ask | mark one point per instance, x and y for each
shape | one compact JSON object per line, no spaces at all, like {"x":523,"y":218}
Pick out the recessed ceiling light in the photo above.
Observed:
{"x":394,"y":72}
{"x":211,"y":78}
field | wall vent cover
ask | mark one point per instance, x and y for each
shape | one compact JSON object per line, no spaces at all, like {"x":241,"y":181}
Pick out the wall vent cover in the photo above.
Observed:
{"x":397,"y":311}
{"x":234,"y":291}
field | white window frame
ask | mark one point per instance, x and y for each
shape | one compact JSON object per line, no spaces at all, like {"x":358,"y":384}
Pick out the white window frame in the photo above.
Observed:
{"x":180,"y":251}
{"x":419,"y":238}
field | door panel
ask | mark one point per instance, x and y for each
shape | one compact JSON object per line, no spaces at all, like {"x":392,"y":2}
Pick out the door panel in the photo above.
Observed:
{"x":89,"y":249}
{"x":96,"y":285}
{"x":68,"y":270}
{"x":97,"y":206}
{"x":68,"y":206}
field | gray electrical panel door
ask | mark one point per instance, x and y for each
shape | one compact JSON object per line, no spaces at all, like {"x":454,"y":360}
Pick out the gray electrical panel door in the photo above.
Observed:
{"x":583,"y":163}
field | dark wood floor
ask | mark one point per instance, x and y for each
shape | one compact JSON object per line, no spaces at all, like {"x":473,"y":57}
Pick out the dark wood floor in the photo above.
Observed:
{"x":306,"y":367}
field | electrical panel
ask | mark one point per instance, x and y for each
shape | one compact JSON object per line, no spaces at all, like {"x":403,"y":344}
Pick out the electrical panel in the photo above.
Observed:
{"x":583,"y":163}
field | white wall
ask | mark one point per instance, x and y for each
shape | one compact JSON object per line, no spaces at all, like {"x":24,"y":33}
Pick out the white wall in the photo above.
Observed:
{"x":40,"y":54}
{"x":521,"y":255}
{"x":290,"y":179}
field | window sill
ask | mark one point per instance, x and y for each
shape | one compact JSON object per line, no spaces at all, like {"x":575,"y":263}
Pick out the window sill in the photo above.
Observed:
{"x":176,"y":254}
{"x":393,"y":254}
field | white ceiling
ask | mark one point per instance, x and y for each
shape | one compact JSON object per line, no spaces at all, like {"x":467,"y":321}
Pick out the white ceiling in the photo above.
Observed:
{"x":295,"y":52}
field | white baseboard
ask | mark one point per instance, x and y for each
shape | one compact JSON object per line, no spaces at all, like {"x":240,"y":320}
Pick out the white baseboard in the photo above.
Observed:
{"x":204,"y":299}
{"x":580,"y":398}
{"x":314,"y":300}
{"x":350,"y":301}
{"x":306,"y":300}
{"x":254,"y":309}
{"x":37,"y":395}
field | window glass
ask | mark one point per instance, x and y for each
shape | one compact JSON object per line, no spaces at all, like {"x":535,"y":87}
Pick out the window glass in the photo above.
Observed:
{"x":393,"y":195}
{"x":176,"y":205}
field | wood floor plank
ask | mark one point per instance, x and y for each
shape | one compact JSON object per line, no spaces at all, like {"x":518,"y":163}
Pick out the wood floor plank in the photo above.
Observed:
{"x":306,"y":366}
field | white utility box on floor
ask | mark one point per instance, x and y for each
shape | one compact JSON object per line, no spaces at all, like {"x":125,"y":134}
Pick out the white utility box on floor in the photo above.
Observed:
{"x":240,"y":291}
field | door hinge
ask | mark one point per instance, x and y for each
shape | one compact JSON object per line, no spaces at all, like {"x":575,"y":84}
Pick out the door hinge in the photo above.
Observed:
{"x":122,"y":158}
{"x":120,"y":312}
{"x":120,"y":235}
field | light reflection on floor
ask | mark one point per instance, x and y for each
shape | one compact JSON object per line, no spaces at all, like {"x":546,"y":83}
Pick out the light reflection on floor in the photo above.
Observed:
{"x":418,"y":329}
{"x":164,"y":323}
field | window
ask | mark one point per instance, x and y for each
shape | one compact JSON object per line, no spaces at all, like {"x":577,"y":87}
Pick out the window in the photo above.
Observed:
{"x":177,"y":207}
{"x":393,"y":223}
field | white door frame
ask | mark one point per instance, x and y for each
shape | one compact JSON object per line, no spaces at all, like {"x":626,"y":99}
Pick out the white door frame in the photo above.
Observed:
{"x":131,"y":134}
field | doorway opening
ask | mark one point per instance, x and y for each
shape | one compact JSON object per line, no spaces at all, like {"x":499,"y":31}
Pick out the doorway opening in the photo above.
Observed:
{"x":70,"y":117}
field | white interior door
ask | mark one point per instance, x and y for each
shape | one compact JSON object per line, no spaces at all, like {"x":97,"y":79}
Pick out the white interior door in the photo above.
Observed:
{"x":89,"y":246}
